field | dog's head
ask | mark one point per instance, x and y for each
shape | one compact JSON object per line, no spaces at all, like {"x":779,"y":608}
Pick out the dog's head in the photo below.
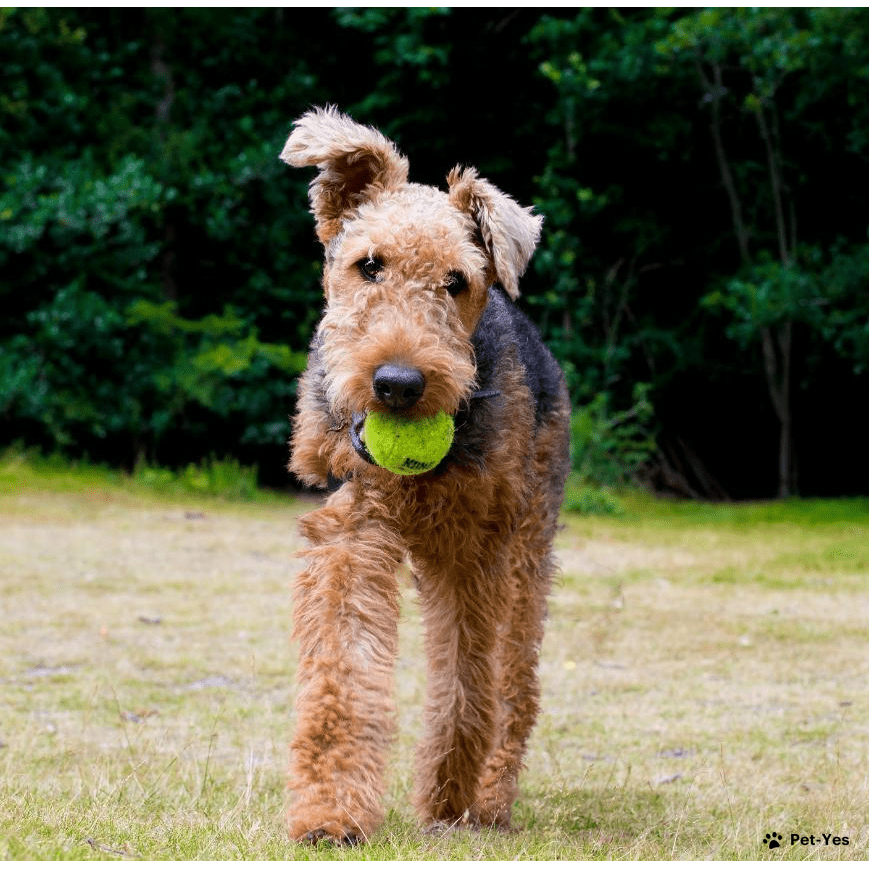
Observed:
{"x":407,"y":266}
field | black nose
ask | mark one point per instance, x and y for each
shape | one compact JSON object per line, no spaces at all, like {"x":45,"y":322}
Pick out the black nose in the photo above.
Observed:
{"x":398,"y":386}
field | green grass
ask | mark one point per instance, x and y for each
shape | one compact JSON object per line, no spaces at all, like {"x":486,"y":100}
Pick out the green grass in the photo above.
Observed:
{"x":703,"y":676}
{"x":226,"y":479}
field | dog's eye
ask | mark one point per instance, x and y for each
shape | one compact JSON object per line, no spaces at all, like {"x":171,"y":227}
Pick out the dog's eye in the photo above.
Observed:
{"x":456,"y":283}
{"x":370,"y":268}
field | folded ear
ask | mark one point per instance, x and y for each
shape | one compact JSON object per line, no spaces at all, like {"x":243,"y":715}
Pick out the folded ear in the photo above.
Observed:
{"x":509,"y":232}
{"x":354,"y":162}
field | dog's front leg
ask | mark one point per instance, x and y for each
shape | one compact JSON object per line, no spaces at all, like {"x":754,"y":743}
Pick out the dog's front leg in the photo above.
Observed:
{"x":346,"y":623}
{"x":462,"y":607}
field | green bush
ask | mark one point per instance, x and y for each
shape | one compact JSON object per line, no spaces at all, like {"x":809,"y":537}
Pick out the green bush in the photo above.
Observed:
{"x":590,"y":501}
{"x":160,"y":275}
{"x":608,"y":447}
{"x":223,"y":479}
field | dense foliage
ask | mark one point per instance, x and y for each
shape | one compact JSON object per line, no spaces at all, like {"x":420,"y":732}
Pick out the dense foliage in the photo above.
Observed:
{"x":703,"y":174}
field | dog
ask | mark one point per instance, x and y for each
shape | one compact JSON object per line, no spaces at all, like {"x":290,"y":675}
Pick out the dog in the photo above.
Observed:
{"x":420,"y":319}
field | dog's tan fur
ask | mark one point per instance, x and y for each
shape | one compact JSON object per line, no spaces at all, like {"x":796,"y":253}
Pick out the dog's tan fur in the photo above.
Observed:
{"x":477,"y":530}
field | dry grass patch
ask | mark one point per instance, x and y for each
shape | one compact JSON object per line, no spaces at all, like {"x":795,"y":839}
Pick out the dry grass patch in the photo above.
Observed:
{"x":704,"y":682}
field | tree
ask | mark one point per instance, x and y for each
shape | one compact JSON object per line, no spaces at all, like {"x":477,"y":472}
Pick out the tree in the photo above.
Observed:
{"x":747,"y":59}
{"x":702,"y":174}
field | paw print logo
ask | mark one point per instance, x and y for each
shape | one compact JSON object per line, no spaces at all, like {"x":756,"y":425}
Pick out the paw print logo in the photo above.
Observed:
{"x":772,"y":840}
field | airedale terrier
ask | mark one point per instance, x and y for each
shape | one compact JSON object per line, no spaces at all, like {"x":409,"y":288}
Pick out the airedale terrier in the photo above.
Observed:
{"x":419,"y":319}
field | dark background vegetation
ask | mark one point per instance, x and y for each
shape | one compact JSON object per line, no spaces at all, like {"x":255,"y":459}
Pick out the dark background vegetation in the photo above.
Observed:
{"x":702,"y":275}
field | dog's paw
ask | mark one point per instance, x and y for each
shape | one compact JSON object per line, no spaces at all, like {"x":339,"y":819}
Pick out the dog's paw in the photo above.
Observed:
{"x":494,"y":816}
{"x":442,"y":828}
{"x":346,"y":839}
{"x":313,"y":818}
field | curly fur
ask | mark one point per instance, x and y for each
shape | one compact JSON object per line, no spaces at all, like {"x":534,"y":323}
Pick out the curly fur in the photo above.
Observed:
{"x":477,"y":530}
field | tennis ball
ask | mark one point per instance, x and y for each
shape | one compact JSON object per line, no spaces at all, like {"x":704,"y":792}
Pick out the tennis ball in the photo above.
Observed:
{"x":408,"y":446}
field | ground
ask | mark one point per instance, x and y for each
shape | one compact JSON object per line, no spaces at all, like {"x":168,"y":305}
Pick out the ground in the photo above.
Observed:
{"x":704,"y":678}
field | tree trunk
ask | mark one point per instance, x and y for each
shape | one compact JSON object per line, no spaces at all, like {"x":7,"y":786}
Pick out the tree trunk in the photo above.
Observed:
{"x":777,"y":368}
{"x":776,"y":340}
{"x":778,"y":375}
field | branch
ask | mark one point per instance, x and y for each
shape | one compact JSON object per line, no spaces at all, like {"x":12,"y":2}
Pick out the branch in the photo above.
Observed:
{"x":713,"y":94}
{"x":774,"y":162}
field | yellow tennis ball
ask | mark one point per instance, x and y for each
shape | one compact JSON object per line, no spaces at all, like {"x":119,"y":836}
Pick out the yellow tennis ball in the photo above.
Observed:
{"x":408,"y":446}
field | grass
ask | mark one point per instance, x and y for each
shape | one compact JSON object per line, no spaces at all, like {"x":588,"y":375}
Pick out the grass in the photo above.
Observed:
{"x":704,"y":678}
